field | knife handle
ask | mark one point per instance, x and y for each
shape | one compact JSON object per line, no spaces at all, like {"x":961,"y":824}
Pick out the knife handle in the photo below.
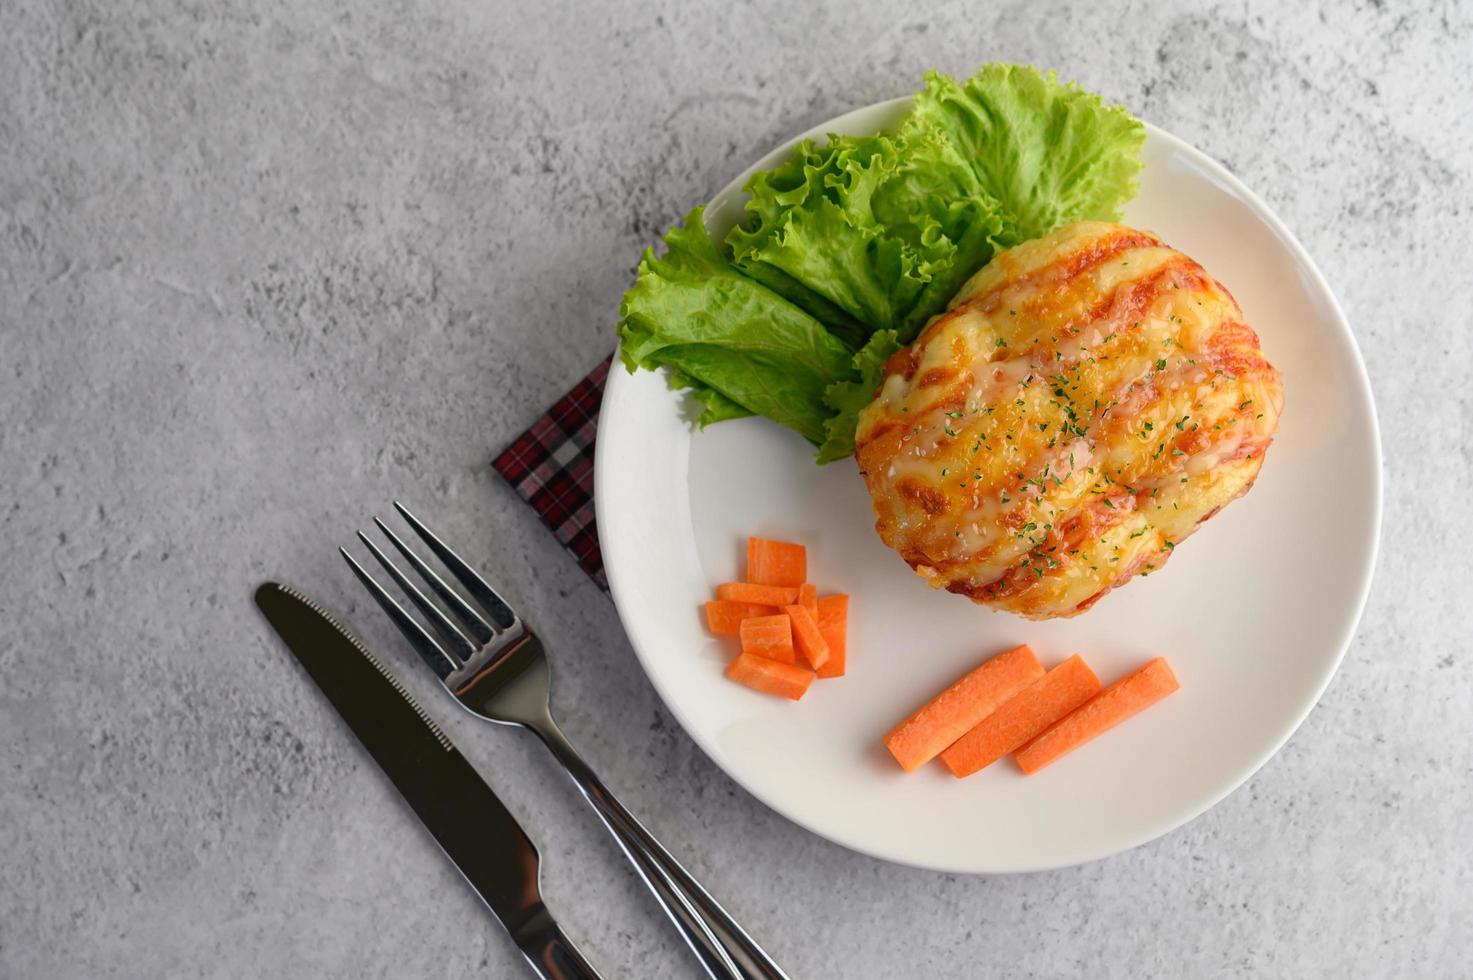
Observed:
{"x":549,"y":952}
{"x":723,"y":947}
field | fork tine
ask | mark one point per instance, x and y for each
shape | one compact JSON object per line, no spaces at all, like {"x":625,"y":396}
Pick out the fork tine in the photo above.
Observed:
{"x":478,"y":627}
{"x":460,"y":644}
{"x":424,"y":644}
{"x":501,"y":614}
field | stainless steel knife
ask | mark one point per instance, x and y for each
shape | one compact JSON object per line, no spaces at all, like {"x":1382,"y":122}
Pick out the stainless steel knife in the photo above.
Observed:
{"x":457,"y":807}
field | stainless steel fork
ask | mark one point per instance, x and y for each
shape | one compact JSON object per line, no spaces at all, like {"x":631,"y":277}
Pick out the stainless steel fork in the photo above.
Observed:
{"x":496,"y":667}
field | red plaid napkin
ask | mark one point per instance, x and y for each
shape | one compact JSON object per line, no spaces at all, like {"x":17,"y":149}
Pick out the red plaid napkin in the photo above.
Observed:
{"x":551,"y":466}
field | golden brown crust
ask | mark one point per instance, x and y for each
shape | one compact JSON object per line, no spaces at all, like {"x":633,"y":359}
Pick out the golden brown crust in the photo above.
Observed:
{"x":1087,"y":401}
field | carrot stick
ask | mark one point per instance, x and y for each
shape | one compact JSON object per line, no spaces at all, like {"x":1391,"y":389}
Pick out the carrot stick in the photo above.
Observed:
{"x":1130,"y":695}
{"x":724,"y":618}
{"x":952,"y":713}
{"x":770,"y":637}
{"x":769,"y":676}
{"x":833,"y":616}
{"x":776,"y":563}
{"x":766,"y":595}
{"x":808,"y":599}
{"x":1023,"y":717}
{"x":806,"y":637}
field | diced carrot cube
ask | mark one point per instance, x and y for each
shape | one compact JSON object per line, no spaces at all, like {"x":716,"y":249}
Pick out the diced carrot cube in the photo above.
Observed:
{"x":724,"y":618}
{"x":770,"y":637}
{"x":808,"y":599}
{"x":776,"y":563}
{"x":766,"y":595}
{"x":770,"y":676}
{"x":833,"y":623}
{"x":806,"y":637}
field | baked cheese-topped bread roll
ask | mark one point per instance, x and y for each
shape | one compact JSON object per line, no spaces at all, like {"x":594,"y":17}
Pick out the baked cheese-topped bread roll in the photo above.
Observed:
{"x":1087,"y":400}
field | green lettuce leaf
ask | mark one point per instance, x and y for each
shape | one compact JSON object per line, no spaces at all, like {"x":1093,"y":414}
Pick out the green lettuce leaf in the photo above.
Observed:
{"x":867,"y":233}
{"x":739,"y":347}
{"x":715,"y":407}
{"x":1048,"y":152}
{"x":952,"y":225}
{"x":838,"y":322}
{"x":848,"y":398}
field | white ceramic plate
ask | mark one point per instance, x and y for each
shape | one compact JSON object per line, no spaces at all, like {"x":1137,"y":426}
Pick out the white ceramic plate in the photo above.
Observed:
{"x":1254,"y":612}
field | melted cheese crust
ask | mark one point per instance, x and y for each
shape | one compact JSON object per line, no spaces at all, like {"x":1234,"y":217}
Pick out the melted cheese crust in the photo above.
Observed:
{"x":1087,"y":400}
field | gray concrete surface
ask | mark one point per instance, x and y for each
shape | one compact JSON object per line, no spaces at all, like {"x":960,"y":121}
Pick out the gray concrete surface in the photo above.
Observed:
{"x":265,"y":266}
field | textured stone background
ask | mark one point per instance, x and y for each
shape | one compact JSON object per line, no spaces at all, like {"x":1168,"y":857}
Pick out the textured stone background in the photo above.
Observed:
{"x":265,"y":266}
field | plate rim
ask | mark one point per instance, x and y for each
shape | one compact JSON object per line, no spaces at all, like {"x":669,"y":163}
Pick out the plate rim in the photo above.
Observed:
{"x":602,"y":467}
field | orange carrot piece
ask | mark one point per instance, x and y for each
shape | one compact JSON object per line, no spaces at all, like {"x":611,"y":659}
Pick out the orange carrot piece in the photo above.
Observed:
{"x":952,"y":713}
{"x":1128,"y":696}
{"x":808,"y":599}
{"x":770,"y":637}
{"x":766,"y":595}
{"x":1023,"y":717}
{"x":833,"y":623}
{"x":724,"y":618}
{"x":770,"y":676}
{"x":776,"y":563}
{"x":806,"y":637}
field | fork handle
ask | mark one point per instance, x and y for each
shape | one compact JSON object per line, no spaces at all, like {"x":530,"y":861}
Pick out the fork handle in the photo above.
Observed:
{"x":723,"y":946}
